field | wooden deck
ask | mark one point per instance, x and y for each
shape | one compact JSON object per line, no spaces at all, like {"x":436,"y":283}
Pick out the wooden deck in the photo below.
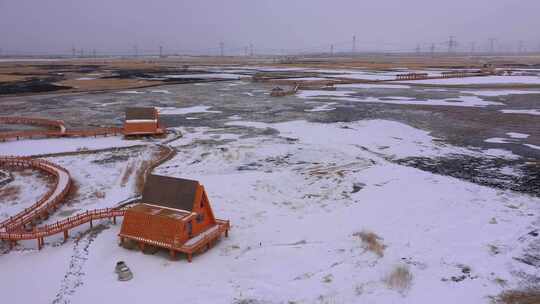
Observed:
{"x":197,"y":244}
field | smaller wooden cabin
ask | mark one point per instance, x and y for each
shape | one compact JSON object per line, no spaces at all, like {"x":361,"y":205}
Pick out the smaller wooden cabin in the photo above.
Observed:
{"x":174,"y":214}
{"x":142,"y":121}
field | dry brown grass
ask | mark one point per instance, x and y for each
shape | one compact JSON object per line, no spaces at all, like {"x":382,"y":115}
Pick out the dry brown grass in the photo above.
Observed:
{"x":127,"y":174}
{"x":73,"y":192}
{"x":98,"y":194}
{"x":105,"y":84}
{"x":399,"y":279}
{"x":9,"y":193}
{"x":9,"y":78}
{"x":371,"y":242}
{"x":525,"y":296}
{"x":141,"y":176}
{"x":145,"y":168}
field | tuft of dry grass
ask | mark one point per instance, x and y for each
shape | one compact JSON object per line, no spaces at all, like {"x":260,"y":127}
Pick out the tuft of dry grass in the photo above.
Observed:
{"x":9,"y":193}
{"x":98,"y":194}
{"x":141,"y":176}
{"x":529,"y":295}
{"x":371,"y":242}
{"x":127,"y":174}
{"x":399,"y":279}
{"x":145,"y":169}
{"x":73,"y":193}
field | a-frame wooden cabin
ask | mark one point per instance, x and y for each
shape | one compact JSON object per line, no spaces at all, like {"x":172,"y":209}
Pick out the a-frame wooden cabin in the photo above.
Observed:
{"x":174,"y":214}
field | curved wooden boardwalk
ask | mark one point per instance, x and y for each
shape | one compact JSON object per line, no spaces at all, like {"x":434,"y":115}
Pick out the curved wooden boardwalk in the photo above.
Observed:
{"x":48,"y":203}
{"x":23,"y":226}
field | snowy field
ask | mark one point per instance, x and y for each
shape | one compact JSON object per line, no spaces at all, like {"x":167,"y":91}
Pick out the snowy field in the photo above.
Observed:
{"x":299,"y":202}
{"x":29,"y":147}
{"x":480,"y":80}
{"x":462,"y":101}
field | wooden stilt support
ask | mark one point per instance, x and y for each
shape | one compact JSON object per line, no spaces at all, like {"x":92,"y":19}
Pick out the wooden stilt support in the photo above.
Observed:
{"x":227,"y":233}
{"x":121,"y":241}
{"x":172,"y":254}
{"x":41,"y":241}
{"x":189,"y":257}
{"x":114,"y":220}
{"x":91,"y":224}
{"x":141,"y":246}
{"x":65,"y":235}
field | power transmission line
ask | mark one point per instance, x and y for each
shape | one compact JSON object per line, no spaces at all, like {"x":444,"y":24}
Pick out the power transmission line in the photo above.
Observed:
{"x":451,"y":44}
{"x":492,"y":45}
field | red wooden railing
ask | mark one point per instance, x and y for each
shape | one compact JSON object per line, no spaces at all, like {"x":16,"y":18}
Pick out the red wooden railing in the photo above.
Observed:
{"x":45,"y":204}
{"x":63,"y":225}
{"x":58,"y":126}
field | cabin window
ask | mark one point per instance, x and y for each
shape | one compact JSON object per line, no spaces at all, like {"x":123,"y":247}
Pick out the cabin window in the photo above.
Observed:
{"x":202,"y":203}
{"x":199,"y":218}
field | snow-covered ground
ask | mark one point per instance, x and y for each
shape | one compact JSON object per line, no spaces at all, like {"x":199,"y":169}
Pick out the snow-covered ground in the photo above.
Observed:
{"x":529,"y":112}
{"x":500,"y":92}
{"x":28,"y":147}
{"x":462,"y":101}
{"x":371,"y":86}
{"x":480,"y":80}
{"x":297,"y":202}
{"x":206,"y":76}
{"x":27,"y":187}
{"x":186,"y":110}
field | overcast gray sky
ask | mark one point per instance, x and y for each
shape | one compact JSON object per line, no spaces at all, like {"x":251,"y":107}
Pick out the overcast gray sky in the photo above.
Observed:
{"x":199,"y":25}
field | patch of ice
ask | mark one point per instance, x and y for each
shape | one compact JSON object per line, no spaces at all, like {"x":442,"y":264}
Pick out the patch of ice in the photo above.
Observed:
{"x":188,"y":110}
{"x":497,"y":140}
{"x":517,"y":135}
{"x":479,"y":80}
{"x":111,"y":103}
{"x":235,"y":117}
{"x":130,"y":92}
{"x":462,"y":101}
{"x":533,"y":146}
{"x":161,"y":91}
{"x":529,"y":112}
{"x":321,"y":93}
{"x":206,"y":76}
{"x":500,"y":92}
{"x":371,"y":86}
{"x":364,"y":76}
{"x":323,"y":108}
{"x":305,"y":79}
